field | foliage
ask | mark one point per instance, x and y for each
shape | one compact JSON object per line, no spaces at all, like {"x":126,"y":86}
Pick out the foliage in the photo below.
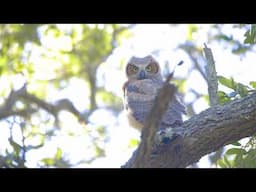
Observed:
{"x":238,"y":155}
{"x":241,"y":156}
{"x":250,"y":35}
{"x":233,"y":89}
{"x":64,"y":62}
{"x":239,"y":90}
{"x":49,"y":59}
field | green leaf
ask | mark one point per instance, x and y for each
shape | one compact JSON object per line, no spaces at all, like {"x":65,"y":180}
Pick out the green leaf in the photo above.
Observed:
{"x":241,"y":90}
{"x":240,"y":49}
{"x":181,"y":84}
{"x":133,"y":142}
{"x":234,"y":151}
{"x":249,"y":160}
{"x":101,"y":130}
{"x":227,"y":161}
{"x":253,"y":84}
{"x":17,"y":148}
{"x":206,"y":98}
{"x":192,"y":28}
{"x":222,"y":94}
{"x":236,"y":143}
{"x":247,"y":39}
{"x":227,"y":82}
{"x":223,"y":97}
{"x":48,"y":161}
{"x":239,"y":160}
{"x":224,"y":37}
{"x":99,"y":151}
{"x":221,"y":163}
{"x":58,"y":154}
{"x":250,"y":35}
{"x":252,"y":152}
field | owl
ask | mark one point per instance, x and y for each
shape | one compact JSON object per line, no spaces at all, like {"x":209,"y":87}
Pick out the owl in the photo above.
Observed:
{"x":144,"y":80}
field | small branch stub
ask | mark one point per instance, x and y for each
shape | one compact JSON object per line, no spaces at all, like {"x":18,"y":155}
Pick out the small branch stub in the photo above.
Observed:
{"x":211,"y":73}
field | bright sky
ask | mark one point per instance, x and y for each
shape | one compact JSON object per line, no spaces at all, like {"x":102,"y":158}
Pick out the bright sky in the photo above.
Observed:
{"x":147,"y":38}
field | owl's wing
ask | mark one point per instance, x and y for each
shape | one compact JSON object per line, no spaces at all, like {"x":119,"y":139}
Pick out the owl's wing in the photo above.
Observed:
{"x":173,"y":115}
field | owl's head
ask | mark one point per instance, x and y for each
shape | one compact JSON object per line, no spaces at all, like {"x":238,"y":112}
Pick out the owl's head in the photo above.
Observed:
{"x":143,"y":68}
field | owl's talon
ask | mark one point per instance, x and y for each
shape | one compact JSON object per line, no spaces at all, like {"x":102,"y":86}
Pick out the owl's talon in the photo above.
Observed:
{"x":167,"y":140}
{"x":166,"y":136}
{"x":161,"y":132}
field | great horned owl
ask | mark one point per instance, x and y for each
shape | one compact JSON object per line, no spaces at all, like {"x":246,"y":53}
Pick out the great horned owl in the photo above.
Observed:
{"x":144,"y":81}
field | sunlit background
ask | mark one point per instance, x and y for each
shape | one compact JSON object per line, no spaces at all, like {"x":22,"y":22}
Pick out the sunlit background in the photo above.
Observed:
{"x":85,"y":64}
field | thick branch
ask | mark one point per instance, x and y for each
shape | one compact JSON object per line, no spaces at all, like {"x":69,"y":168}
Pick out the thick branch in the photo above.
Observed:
{"x":212,"y":80}
{"x":205,"y":133}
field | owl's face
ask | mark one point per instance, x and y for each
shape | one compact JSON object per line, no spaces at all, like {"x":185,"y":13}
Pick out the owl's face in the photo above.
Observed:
{"x":143,"y":68}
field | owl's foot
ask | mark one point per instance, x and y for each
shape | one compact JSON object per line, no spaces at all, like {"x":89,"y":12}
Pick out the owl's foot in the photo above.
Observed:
{"x":167,"y":140}
{"x":167,"y":135}
{"x":164,"y":137}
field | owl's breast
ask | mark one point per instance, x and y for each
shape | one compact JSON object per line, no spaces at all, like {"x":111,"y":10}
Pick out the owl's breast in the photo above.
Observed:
{"x":132,"y":121}
{"x":139,"y":98}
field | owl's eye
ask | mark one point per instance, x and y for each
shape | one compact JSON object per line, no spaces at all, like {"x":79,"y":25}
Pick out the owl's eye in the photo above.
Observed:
{"x":132,"y":69}
{"x":149,"y":68}
{"x":152,"y":68}
{"x":135,"y":69}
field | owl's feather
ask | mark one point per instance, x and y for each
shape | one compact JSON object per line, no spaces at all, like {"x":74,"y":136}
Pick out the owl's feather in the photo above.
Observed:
{"x":139,"y":99}
{"x":173,"y":115}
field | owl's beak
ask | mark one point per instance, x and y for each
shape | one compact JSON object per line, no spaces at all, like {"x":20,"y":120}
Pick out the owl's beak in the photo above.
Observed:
{"x":142,"y":75}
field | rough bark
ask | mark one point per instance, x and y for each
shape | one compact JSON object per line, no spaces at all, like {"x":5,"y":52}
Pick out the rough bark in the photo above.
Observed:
{"x":202,"y":134}
{"x":212,"y":80}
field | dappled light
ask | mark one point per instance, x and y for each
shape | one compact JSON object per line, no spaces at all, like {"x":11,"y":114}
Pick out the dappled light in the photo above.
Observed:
{"x":61,"y":101}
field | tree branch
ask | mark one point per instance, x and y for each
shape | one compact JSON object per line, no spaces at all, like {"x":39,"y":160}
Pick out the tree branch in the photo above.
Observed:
{"x":7,"y":109}
{"x":205,"y":133}
{"x":212,"y":80}
{"x":165,"y":95}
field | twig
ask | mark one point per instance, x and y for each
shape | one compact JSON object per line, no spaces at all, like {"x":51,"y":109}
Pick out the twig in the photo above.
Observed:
{"x":24,"y":148}
{"x":190,"y":52}
{"x":212,"y":80}
{"x":165,"y":95}
{"x":197,"y":66}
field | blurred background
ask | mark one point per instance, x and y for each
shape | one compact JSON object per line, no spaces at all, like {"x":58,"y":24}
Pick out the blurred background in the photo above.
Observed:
{"x":61,"y":88}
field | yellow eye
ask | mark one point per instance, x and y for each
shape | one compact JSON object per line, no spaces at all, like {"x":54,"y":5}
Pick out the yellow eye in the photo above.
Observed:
{"x":149,"y":68}
{"x":131,"y":69}
{"x":135,"y":69}
{"x":152,"y":68}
